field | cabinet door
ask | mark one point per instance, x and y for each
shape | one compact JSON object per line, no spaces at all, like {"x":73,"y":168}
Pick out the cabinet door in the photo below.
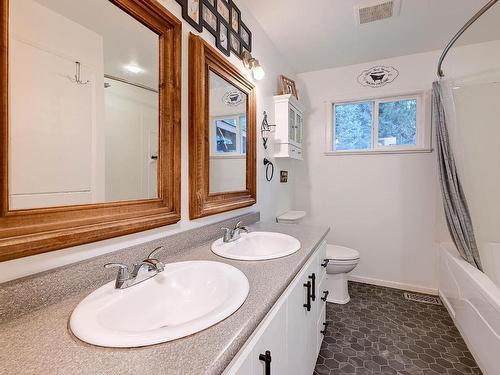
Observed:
{"x":299,"y":123}
{"x":301,"y":327}
{"x":274,"y":340}
{"x":291,"y":125}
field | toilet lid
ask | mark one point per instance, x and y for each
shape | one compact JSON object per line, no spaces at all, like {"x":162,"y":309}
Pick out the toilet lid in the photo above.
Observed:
{"x":336,"y":252}
{"x":292,"y":215}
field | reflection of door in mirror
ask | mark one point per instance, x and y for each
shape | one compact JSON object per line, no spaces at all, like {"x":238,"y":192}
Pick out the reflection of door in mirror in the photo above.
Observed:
{"x":83,"y":104}
{"x":228,"y":140}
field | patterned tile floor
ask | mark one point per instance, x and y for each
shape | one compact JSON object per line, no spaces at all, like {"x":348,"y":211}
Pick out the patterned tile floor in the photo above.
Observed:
{"x":379,"y":332}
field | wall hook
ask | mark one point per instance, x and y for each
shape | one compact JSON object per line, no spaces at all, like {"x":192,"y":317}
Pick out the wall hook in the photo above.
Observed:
{"x":78,"y":79}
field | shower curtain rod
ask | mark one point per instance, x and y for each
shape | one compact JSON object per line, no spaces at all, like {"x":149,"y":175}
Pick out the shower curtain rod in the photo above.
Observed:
{"x":488,"y":5}
{"x":130,"y":83}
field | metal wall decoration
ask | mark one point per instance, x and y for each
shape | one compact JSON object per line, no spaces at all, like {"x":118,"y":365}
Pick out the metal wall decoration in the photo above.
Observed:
{"x":378,"y":76}
{"x":222,"y":19}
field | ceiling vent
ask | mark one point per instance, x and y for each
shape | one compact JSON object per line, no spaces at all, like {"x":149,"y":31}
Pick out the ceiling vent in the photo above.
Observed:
{"x":376,"y":10}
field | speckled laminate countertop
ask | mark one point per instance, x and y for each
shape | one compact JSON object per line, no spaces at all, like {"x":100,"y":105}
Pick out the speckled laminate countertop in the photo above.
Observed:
{"x":40,"y":342}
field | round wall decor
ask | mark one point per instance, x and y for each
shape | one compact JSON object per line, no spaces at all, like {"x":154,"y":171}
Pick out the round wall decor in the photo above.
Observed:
{"x":378,"y":76}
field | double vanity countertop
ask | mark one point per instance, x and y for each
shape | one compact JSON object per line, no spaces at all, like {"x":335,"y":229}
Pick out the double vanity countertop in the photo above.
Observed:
{"x":39,"y":341}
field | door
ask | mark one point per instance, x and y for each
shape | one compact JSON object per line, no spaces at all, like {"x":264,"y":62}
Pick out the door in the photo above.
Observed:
{"x":274,"y":341}
{"x":301,"y":325}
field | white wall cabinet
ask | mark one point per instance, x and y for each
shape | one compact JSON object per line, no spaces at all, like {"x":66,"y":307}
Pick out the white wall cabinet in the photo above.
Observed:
{"x":289,"y":118}
{"x":290,"y":332}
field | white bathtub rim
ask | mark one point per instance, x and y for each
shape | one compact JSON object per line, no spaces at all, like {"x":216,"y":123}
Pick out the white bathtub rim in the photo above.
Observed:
{"x":484,"y":284}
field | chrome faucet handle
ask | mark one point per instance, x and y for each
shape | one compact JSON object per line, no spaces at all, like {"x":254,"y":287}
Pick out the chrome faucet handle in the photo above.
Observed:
{"x":238,"y":227}
{"x":228,"y":233}
{"x":121,"y":277}
{"x":153,"y":254}
{"x":121,"y":266}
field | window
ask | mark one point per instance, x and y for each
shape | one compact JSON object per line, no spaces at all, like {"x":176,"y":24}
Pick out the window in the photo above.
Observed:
{"x":229,"y":136}
{"x":378,"y":125}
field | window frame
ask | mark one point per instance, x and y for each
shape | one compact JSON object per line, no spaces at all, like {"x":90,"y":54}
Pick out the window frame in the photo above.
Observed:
{"x":423,"y":123}
{"x":239,"y":136}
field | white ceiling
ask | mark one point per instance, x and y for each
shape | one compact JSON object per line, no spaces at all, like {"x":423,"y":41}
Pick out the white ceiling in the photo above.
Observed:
{"x":126,"y":41}
{"x":320,"y":34}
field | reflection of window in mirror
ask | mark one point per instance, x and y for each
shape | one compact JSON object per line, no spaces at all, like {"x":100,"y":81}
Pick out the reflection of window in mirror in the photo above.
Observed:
{"x":92,"y":89}
{"x":228,"y":136}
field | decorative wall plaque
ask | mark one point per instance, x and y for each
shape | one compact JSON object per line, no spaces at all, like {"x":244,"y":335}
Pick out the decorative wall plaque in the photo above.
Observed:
{"x":378,"y":76}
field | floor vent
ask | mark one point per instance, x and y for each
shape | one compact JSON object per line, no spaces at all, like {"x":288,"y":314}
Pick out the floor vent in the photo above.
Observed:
{"x":423,"y":298}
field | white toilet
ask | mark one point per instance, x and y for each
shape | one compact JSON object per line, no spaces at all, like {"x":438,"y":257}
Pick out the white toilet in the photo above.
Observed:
{"x":341,"y":261}
{"x":291,"y":217}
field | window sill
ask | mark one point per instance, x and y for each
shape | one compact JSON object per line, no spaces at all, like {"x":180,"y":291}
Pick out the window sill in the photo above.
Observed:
{"x":380,"y":152}
{"x":237,"y":156}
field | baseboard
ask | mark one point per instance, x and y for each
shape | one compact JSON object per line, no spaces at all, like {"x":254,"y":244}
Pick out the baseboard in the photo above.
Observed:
{"x":394,"y":284}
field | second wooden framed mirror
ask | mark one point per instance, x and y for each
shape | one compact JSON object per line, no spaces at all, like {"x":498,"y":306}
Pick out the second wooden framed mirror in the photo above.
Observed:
{"x":222,"y":139}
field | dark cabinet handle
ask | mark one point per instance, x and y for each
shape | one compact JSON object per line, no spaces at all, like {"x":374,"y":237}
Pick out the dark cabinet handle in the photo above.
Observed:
{"x":325,"y":263}
{"x":324,"y":330}
{"x":154,"y":157}
{"x":308,"y":304}
{"x":266,"y":358}
{"x":325,"y":294}
{"x":313,"y":279}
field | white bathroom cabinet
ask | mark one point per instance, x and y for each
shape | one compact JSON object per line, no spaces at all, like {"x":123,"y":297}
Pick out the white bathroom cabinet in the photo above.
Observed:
{"x":290,"y":332}
{"x":289,"y":119}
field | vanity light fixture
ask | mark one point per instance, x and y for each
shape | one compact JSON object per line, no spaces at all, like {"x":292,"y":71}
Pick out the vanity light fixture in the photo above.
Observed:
{"x":133,"y":69}
{"x":253,"y":64}
{"x":265,"y":129}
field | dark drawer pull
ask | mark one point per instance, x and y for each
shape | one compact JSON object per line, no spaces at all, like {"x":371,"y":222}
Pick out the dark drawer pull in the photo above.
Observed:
{"x":266,"y":358}
{"x":325,"y":263}
{"x":308,"y":304}
{"x":325,"y":295}
{"x":313,"y":294}
{"x":324,"y":330}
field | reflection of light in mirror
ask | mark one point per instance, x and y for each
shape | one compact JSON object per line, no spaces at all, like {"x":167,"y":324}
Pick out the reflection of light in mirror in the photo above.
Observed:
{"x":132,"y":68}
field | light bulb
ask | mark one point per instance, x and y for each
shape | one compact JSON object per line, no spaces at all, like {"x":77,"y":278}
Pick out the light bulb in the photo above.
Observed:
{"x":258,"y":72}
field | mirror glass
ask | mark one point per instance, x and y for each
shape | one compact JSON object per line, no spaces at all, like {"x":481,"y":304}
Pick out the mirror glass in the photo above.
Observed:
{"x":228,"y":136}
{"x":83,"y":104}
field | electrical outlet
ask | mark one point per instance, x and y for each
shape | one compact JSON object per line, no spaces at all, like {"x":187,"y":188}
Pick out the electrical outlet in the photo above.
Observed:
{"x":284,"y":176}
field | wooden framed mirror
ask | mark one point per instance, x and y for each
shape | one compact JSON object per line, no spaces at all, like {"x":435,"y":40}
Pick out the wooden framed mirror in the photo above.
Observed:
{"x":222,"y":139}
{"x":90,"y":121}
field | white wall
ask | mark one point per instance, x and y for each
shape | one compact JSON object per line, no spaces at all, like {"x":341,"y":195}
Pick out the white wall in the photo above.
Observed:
{"x":273,"y":198}
{"x":386,"y":206}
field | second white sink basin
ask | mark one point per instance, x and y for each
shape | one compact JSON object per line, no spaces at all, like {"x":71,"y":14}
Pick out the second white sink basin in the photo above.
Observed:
{"x":257,"y":246}
{"x":185,"y":298}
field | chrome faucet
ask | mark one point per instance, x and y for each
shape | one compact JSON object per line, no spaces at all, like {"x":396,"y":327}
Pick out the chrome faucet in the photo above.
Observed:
{"x":126,"y":279}
{"x":231,"y":235}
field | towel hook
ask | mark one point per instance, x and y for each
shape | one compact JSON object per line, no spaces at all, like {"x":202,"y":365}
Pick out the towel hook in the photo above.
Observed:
{"x":78,"y":79}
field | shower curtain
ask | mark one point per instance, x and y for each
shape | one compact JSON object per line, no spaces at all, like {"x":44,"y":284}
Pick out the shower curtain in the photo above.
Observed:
{"x":455,"y":205}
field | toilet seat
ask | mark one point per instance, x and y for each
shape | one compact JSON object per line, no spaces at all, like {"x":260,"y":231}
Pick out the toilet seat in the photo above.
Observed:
{"x":338,"y":253}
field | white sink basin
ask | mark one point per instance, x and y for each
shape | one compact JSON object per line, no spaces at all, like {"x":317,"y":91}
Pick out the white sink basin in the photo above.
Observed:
{"x":185,"y":298}
{"x":257,"y":246}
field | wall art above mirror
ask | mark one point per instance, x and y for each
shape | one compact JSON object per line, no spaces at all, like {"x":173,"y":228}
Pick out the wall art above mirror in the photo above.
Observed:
{"x":222,"y":19}
{"x":90,"y":123}
{"x":222,"y":148}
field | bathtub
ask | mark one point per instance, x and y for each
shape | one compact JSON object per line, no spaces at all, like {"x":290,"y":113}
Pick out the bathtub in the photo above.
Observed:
{"x":473,"y":301}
